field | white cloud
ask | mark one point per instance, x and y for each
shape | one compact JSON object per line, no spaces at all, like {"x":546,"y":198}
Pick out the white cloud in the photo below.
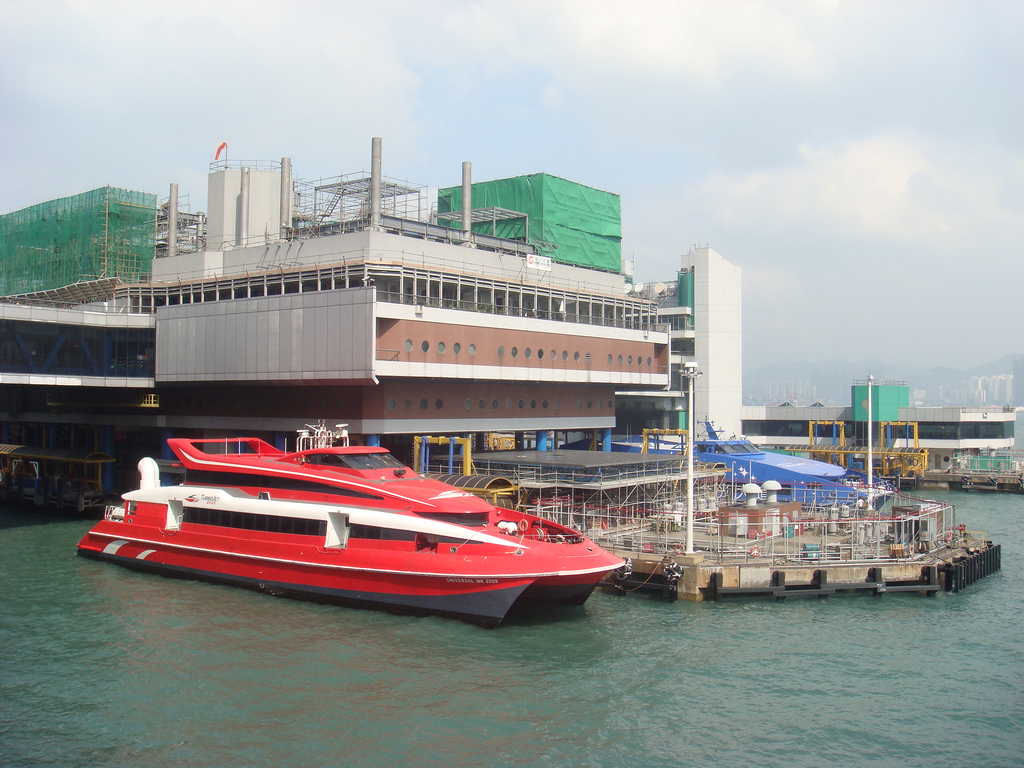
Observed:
{"x":825,"y":147}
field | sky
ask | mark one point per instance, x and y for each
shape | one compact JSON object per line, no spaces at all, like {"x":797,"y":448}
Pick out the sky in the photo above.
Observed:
{"x":862,"y":162}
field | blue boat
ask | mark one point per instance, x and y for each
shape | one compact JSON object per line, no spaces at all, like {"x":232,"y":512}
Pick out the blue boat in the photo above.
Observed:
{"x":808,"y":481}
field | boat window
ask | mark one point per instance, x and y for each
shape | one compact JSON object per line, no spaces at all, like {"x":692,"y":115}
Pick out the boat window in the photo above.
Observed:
{"x":248,"y":522}
{"x":469,"y":518}
{"x":376,"y":533}
{"x":737,"y":448}
{"x":361,"y":461}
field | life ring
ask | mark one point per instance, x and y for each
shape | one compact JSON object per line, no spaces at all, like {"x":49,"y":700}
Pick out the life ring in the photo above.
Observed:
{"x":680,"y":549}
{"x":755,"y":551}
{"x":524,"y":526}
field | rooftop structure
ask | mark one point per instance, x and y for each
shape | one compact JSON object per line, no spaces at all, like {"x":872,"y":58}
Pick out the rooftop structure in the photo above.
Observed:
{"x":340,"y":300}
{"x":104,"y":233}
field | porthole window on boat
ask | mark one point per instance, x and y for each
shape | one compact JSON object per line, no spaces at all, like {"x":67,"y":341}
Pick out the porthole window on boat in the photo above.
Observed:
{"x":501,"y":351}
{"x":540,"y":354}
{"x":522,"y":405}
{"x":425,"y":346}
{"x":579,"y":404}
{"x":408,"y":402}
{"x":533,"y":405}
{"x":590,"y":403}
{"x":439,"y":404}
{"x":408,"y":345}
{"x":630,"y":359}
{"x":609,"y":359}
{"x":440,"y":347}
{"x":469,"y":404}
{"x":576,"y":356}
{"x":391,"y":403}
{"x":508,"y":404}
{"x":423,"y":404}
{"x":527,"y":353}
{"x":611,"y":405}
{"x":494,"y":405}
{"x":552,"y":354}
{"x":514,"y":352}
{"x":472,"y":349}
{"x":482,"y":404}
{"x":620,"y":359}
{"x":544,"y":404}
{"x":456,"y":348}
{"x":649,"y":361}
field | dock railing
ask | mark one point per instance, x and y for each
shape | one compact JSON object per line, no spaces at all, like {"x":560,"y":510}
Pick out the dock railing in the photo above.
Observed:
{"x":907,"y":531}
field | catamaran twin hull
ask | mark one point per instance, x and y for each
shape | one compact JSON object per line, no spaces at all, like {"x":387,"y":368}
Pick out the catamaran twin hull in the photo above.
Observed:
{"x":475,"y":563}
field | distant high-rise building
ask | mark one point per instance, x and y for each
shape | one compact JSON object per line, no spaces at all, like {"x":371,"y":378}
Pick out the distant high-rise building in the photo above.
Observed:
{"x":1016,"y":394}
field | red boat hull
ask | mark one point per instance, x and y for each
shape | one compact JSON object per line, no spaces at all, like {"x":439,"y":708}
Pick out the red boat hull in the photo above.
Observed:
{"x":482,"y":599}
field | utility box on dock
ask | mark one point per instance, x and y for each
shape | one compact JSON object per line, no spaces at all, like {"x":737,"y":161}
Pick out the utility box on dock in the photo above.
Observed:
{"x":759,"y":521}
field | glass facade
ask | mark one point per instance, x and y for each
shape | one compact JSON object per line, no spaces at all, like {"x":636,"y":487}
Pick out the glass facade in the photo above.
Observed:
{"x":53,"y":349}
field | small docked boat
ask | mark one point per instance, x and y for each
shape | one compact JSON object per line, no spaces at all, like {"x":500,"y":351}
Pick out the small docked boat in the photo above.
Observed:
{"x":343,"y":524}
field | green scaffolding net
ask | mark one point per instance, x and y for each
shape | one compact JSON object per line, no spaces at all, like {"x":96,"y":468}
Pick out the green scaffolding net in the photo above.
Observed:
{"x":106,"y":232}
{"x":573,"y":223}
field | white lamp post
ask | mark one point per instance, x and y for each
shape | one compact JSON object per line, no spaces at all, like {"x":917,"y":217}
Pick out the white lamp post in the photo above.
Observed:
{"x":871,"y":458}
{"x":691,"y":372}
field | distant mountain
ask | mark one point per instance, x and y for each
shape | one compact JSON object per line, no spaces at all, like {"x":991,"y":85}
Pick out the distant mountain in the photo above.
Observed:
{"x":829,"y":382}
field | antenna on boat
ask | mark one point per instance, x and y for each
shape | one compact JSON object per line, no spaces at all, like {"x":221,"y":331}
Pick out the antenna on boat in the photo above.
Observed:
{"x":316,"y":436}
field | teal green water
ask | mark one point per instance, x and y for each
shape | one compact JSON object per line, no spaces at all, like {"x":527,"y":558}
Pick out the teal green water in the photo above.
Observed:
{"x":105,"y":667}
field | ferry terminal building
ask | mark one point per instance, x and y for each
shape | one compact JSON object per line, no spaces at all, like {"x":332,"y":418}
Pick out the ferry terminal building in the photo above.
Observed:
{"x":345,"y":300}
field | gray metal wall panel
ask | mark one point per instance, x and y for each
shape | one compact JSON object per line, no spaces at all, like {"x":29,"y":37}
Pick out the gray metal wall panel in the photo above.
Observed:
{"x":323,"y":336}
{"x":332,"y":339}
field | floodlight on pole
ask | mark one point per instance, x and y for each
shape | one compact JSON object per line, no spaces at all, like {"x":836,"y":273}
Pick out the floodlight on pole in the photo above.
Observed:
{"x":691,"y":371}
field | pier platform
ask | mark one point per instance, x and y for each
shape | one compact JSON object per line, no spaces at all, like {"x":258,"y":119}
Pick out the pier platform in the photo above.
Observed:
{"x":698,"y":577}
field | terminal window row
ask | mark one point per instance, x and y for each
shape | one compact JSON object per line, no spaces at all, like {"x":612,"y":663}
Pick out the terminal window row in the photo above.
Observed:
{"x":406,"y":285}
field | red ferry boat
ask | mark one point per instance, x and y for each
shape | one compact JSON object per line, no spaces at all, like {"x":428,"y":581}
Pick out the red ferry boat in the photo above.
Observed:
{"x":342,"y":524}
